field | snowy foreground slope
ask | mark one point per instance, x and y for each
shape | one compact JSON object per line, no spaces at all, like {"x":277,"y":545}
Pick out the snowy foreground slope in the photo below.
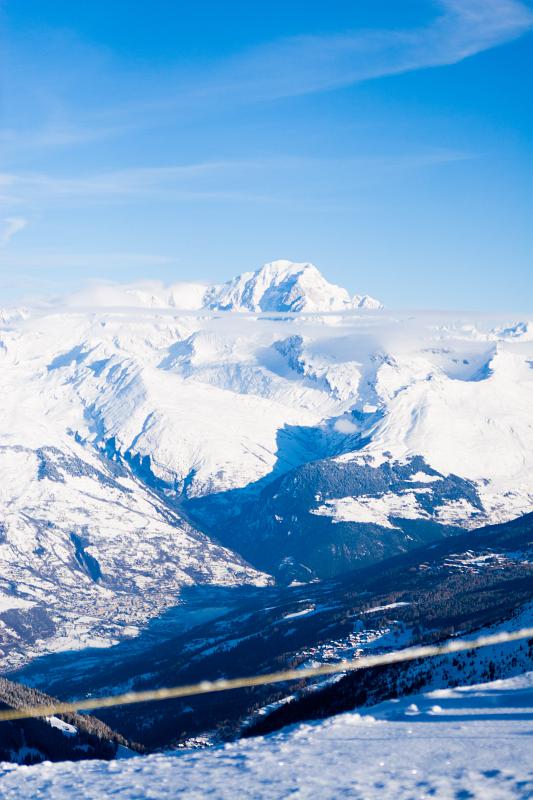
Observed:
{"x":452,"y":743}
{"x":140,"y":423}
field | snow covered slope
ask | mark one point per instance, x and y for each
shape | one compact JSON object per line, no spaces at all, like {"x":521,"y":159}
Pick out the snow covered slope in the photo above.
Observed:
{"x":88,"y":553}
{"x":466,"y":742}
{"x":217,"y":402}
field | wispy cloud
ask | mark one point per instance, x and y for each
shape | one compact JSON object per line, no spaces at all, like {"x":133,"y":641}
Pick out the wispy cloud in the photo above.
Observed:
{"x":58,"y":260}
{"x":283,"y":68}
{"x":173,"y":182}
{"x":9,"y":227}
{"x":51,"y":136}
{"x":212,"y":180}
{"x":306,"y":64}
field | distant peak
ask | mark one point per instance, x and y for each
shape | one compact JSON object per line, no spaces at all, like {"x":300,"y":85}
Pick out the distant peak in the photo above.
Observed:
{"x":286,"y":286}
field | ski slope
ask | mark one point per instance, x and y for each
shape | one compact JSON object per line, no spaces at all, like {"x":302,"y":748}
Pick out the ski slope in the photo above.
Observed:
{"x":451,"y":743}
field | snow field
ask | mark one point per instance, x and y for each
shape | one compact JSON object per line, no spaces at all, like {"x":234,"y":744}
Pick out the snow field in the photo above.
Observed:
{"x":469,"y":742}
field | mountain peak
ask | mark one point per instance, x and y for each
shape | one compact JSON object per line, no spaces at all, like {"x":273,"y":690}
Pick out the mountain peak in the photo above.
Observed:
{"x":285,"y":286}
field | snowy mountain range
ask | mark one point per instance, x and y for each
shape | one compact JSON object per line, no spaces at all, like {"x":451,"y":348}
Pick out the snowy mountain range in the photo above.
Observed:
{"x":150,"y":440}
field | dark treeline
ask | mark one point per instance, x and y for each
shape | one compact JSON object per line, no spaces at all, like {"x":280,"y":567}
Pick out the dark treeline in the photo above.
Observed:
{"x":32,"y":740}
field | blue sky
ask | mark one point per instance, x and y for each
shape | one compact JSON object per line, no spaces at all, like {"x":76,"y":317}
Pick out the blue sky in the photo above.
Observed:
{"x":391,"y":143}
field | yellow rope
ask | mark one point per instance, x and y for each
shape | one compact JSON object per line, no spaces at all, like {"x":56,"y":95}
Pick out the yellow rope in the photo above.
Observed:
{"x":223,"y":684}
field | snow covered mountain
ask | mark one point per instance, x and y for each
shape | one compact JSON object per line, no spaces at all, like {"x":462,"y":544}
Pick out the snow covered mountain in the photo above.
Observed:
{"x":132,"y":431}
{"x":279,"y":286}
{"x":285,"y":286}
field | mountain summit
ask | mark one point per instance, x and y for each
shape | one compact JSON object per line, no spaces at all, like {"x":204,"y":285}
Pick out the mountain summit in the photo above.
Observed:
{"x":285,"y":286}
